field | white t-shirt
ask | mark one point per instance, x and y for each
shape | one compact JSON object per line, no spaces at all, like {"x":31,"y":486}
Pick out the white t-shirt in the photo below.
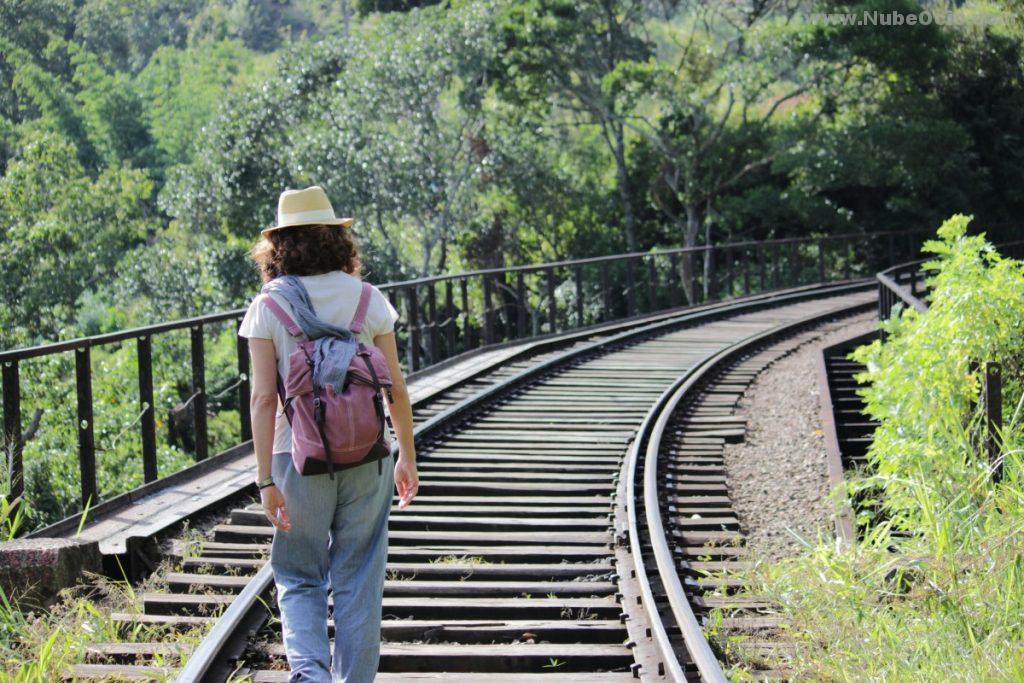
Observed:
{"x":334,"y":296}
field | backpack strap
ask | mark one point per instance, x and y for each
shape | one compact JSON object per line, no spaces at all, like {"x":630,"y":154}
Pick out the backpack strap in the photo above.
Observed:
{"x":364,"y":303}
{"x":286,"y":320}
{"x":295,"y":331}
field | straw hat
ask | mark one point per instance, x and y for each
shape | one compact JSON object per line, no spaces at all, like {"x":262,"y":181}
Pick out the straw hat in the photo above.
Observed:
{"x":305,"y":207}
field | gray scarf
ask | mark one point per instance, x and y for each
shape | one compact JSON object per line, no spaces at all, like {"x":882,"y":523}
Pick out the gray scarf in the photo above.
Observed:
{"x":334,"y":347}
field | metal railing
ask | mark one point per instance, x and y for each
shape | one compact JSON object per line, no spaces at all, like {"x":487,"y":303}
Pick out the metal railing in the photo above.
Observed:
{"x":447,"y":315}
{"x":907,"y":283}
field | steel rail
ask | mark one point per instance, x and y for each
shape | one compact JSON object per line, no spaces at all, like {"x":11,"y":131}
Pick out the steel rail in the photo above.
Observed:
{"x":693,"y":636}
{"x":203,"y":663}
{"x":844,"y":523}
{"x":204,"y":659}
{"x":651,"y":433}
{"x":696,"y":644}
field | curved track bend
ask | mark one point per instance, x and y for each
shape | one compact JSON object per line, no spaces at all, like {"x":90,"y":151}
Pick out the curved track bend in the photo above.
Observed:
{"x":517,"y":561}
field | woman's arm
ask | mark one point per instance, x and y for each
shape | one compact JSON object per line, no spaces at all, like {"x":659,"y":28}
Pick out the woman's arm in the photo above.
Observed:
{"x":406,"y":478}
{"x":263,"y":411}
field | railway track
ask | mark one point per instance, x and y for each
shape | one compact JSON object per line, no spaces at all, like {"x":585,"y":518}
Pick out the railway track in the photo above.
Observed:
{"x":853,"y":428}
{"x":530,"y":551}
{"x":704,"y":543}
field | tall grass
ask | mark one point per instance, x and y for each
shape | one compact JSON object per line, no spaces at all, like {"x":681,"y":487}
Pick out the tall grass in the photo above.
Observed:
{"x":935,"y":592}
{"x":38,"y":648}
{"x":44,"y":647}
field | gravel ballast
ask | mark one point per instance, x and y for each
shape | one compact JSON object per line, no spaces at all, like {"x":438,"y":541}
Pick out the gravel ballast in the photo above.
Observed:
{"x":777,"y":476}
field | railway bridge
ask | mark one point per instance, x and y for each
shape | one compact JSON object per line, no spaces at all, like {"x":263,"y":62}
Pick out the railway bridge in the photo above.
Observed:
{"x":575,"y":521}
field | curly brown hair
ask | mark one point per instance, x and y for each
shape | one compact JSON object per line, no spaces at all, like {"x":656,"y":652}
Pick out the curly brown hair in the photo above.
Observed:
{"x":307,"y":250}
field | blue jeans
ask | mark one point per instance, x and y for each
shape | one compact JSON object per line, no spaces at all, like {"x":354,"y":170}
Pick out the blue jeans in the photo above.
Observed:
{"x":338,"y":539}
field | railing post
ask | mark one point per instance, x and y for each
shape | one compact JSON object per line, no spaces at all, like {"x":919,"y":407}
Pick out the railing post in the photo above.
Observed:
{"x":414,"y":328}
{"x":144,"y":352}
{"x":12,"y":428}
{"x":432,"y":336}
{"x":467,"y":328}
{"x":199,"y":391}
{"x":578,"y":277}
{"x":244,"y":387}
{"x":994,"y":417}
{"x":794,"y":264}
{"x":86,"y":434}
{"x":552,"y":304}
{"x":821,"y":260}
{"x":728,"y":271}
{"x":606,"y":302}
{"x":652,"y":284}
{"x":449,"y":323}
{"x":761,"y":265}
{"x":746,"y":271}
{"x":401,"y":336}
{"x":776,"y":266}
{"x":710,"y":291}
{"x":488,"y":312}
{"x":883,"y":308}
{"x":521,"y":308}
{"x":691,"y":259}
{"x":630,"y":288}
{"x":673,"y":280}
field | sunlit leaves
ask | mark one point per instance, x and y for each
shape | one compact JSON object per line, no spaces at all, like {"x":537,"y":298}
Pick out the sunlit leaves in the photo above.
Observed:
{"x":62,"y":232}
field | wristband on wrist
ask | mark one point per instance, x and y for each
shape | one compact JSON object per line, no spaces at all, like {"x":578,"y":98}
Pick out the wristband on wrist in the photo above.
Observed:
{"x":264,"y":483}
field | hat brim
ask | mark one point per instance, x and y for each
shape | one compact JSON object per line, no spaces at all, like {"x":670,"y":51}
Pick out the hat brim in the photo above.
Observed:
{"x":343,"y":222}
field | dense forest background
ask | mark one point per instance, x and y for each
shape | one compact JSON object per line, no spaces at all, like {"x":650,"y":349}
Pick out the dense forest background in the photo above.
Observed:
{"x":143,"y":142}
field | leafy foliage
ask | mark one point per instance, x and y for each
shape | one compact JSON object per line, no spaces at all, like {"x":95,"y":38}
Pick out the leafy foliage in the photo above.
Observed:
{"x":143,"y":144}
{"x":939,"y":579}
{"x":57,"y":243}
{"x":921,"y":386}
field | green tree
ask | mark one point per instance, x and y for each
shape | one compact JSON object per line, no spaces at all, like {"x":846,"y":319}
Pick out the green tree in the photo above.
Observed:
{"x":61,"y":233}
{"x":389,"y":122}
{"x":125,"y":33}
{"x":26,"y":28}
{"x":111,"y":112}
{"x":564,"y":53}
{"x":183,"y":90}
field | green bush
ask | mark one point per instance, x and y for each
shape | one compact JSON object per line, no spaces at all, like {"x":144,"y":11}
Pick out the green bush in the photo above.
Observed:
{"x":935,"y":591}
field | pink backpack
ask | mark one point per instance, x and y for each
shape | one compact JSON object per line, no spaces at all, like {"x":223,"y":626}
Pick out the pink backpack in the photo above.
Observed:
{"x":329,"y":430}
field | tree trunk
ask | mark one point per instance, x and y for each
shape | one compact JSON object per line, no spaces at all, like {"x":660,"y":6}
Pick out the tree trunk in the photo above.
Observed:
{"x":690,"y":231}
{"x":625,"y":193}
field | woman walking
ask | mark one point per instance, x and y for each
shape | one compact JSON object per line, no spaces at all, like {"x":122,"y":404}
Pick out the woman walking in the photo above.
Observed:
{"x":330,"y":529}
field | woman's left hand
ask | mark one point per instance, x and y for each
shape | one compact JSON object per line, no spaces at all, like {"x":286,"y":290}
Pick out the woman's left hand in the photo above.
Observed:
{"x":407,"y":481}
{"x":274,"y":507}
